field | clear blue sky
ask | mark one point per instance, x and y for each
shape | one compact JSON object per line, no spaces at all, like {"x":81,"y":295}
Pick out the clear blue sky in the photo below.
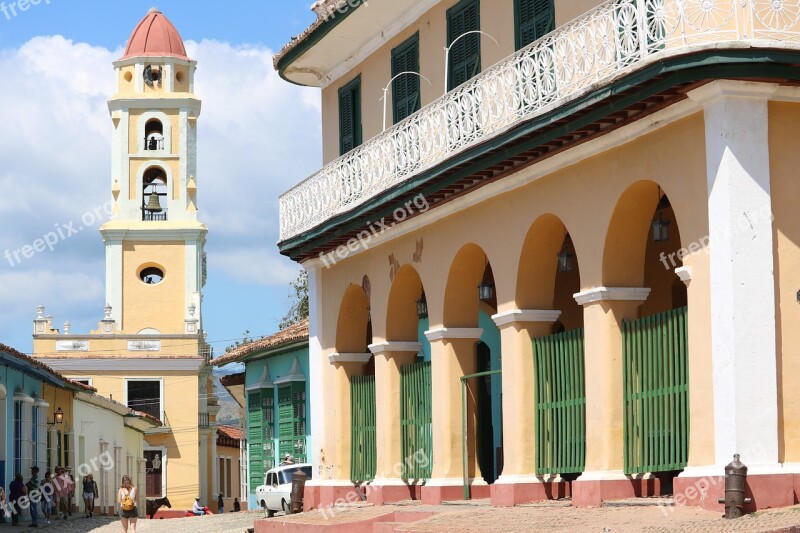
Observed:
{"x":283,"y":147}
{"x":268,"y":22}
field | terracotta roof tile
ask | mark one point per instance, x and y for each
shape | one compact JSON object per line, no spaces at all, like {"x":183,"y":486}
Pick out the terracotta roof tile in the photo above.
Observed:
{"x":323,"y":9}
{"x":230,"y":432}
{"x":19,"y":355}
{"x":295,"y":332}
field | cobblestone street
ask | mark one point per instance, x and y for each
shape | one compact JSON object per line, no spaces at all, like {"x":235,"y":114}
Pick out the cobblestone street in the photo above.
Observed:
{"x":224,"y":523}
{"x":624,"y":516}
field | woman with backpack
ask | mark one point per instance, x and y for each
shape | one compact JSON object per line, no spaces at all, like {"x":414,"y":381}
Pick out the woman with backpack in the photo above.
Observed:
{"x":126,"y":497}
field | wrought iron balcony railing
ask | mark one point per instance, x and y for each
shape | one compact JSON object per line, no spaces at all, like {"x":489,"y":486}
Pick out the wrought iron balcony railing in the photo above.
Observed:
{"x":613,"y":39}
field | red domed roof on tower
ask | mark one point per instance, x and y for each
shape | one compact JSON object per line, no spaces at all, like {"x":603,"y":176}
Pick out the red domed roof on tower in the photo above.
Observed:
{"x":155,"y":36}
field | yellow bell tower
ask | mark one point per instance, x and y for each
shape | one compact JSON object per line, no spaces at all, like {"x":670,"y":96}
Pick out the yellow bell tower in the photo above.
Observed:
{"x":154,"y":244}
{"x":149,"y":350}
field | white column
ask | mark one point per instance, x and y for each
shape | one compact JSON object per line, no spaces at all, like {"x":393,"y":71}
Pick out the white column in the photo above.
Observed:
{"x":315,"y":368}
{"x":742,"y":280}
{"x":113,"y":244}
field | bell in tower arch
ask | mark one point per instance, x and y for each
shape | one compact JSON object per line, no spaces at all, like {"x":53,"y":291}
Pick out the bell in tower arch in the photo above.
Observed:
{"x":153,"y":205}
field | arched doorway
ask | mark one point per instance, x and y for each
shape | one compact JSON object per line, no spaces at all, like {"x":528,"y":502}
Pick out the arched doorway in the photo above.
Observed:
{"x":355,"y":367}
{"x":643,"y":249}
{"x":549,"y":277}
{"x":470,"y":302}
{"x":406,"y":322}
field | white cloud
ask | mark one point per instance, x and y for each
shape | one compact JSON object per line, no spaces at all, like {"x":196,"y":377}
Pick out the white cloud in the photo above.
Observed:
{"x":258,"y":135}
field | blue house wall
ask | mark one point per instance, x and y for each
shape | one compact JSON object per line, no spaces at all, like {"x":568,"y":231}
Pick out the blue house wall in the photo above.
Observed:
{"x":12,"y":380}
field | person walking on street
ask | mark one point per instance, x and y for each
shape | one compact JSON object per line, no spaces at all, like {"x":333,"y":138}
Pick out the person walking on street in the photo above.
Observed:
{"x":31,"y":486}
{"x":220,"y":504}
{"x":47,"y":497}
{"x":62,"y":486}
{"x":88,"y":496}
{"x":16,"y":490}
{"x":126,"y":498}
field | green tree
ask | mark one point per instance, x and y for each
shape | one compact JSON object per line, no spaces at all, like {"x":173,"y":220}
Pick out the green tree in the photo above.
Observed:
{"x":298,"y":296}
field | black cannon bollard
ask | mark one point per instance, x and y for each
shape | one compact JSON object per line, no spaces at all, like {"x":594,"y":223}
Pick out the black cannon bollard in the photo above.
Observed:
{"x":735,"y":477}
{"x":298,"y":488}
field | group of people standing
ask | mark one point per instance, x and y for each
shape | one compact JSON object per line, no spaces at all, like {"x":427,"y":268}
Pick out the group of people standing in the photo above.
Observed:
{"x":53,"y":494}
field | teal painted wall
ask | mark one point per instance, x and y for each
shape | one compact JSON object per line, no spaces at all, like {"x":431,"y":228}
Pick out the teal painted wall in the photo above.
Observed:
{"x":279,"y":366}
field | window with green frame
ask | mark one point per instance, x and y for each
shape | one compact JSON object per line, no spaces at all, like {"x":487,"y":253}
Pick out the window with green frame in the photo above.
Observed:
{"x":465,"y":53}
{"x":533,"y":20}
{"x":292,"y":420}
{"x":405,"y":89}
{"x":260,"y":429}
{"x":350,"y":116}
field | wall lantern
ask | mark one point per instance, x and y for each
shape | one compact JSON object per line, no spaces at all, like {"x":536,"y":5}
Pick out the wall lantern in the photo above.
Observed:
{"x":486,"y":288}
{"x":659,"y":225}
{"x":58,"y":418}
{"x":565,"y":263}
{"x":422,"y":306}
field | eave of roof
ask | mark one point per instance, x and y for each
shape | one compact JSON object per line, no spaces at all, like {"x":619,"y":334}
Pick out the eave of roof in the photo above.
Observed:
{"x":29,"y":365}
{"x":312,"y":35}
{"x":288,"y":339}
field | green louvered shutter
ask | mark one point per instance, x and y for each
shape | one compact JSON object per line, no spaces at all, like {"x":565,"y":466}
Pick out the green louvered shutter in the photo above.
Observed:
{"x":534,"y":18}
{"x":255,"y":440}
{"x":350,"y":116}
{"x":405,"y":89}
{"x":465,"y":54}
{"x":292,"y":420}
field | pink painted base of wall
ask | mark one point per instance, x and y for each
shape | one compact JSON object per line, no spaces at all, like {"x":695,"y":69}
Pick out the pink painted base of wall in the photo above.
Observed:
{"x":767,"y":491}
{"x":437,"y":495}
{"x":592,"y":493}
{"x":509,"y":495}
{"x":380,"y":495}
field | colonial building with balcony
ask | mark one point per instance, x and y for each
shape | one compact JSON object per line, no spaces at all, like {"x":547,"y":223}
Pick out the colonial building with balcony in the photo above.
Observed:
{"x":560,"y":260}
{"x":149,"y":350}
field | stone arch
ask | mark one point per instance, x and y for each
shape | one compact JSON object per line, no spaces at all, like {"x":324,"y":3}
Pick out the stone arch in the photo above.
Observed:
{"x":401,"y":315}
{"x":461,"y":301}
{"x":632,"y":258}
{"x":352,"y":325}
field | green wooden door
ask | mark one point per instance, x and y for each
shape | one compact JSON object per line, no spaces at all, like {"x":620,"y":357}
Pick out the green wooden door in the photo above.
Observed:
{"x":363,"y":448}
{"x":560,"y":403}
{"x":415,"y":420}
{"x":255,"y":439}
{"x":656,"y":392}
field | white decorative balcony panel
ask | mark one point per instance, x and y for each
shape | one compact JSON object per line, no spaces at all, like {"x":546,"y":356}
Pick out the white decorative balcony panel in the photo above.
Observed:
{"x":604,"y":44}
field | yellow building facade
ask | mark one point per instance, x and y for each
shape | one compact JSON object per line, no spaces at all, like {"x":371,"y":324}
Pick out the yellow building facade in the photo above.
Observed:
{"x":149,"y":351}
{"x":588,"y":205}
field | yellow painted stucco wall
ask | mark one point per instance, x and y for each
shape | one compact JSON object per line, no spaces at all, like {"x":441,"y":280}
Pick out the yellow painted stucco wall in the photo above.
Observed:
{"x":496,"y":19}
{"x":161,"y":305}
{"x":116,"y":346}
{"x":227,"y":452}
{"x":784,"y":122}
{"x":134,"y":133}
{"x":596,"y":198}
{"x":172,"y":165}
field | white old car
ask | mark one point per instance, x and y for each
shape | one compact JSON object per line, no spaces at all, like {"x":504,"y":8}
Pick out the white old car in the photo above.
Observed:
{"x":275,"y":494}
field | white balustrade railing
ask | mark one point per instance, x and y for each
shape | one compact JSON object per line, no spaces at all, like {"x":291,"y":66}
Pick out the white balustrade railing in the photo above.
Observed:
{"x":610,"y":40}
